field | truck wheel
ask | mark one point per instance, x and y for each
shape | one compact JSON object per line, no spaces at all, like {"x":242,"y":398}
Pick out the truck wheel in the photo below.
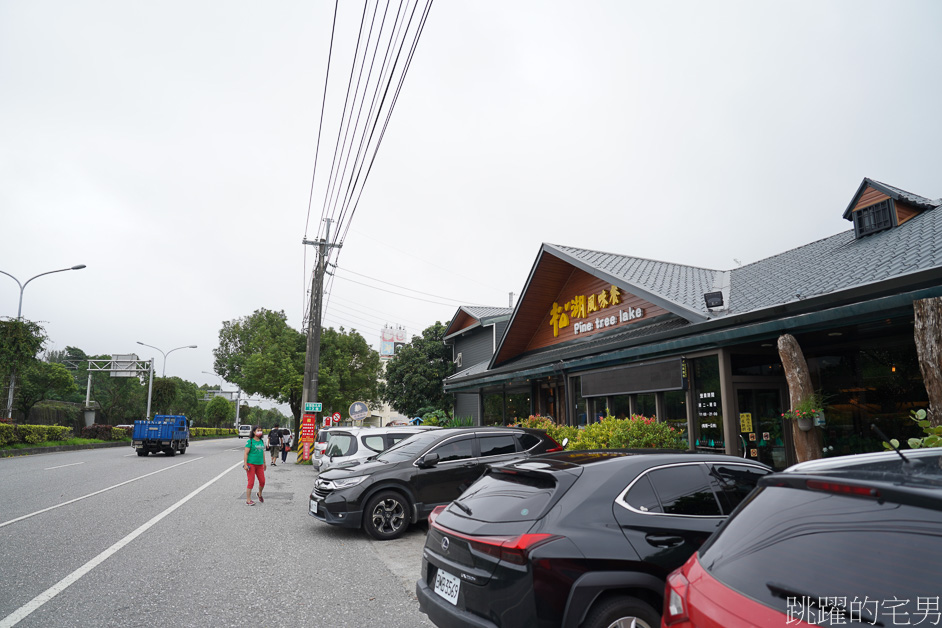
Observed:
{"x":141,"y":452}
{"x":386,"y":516}
{"x":170,"y":452}
{"x":182,"y":450}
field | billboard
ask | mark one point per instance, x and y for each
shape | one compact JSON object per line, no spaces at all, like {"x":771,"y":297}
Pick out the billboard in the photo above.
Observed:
{"x":124,"y":365}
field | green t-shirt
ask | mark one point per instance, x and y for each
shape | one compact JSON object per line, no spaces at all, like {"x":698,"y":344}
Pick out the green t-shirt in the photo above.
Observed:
{"x":256,"y":451}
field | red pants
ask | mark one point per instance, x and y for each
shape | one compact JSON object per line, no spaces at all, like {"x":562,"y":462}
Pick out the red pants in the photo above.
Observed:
{"x":253,"y":471}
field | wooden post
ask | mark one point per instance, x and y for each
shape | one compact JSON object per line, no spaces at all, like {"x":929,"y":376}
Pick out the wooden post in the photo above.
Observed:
{"x":808,"y":445}
{"x":928,"y":336}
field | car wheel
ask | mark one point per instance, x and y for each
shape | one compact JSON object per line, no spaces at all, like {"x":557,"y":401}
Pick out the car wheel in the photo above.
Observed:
{"x":620,"y":611}
{"x":386,"y":516}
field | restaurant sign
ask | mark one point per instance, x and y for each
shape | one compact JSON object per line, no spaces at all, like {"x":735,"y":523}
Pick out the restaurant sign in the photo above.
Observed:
{"x":597,"y":311}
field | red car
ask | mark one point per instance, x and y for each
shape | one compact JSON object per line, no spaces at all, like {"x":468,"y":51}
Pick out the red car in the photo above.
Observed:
{"x":849,"y":541}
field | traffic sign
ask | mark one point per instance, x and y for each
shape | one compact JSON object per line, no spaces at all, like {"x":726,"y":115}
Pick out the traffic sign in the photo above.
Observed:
{"x":313,"y":406}
{"x":358,"y":410}
{"x":336,"y":417}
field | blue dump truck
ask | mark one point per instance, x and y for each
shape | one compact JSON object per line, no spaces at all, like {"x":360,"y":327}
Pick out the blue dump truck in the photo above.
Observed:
{"x":167,"y":433}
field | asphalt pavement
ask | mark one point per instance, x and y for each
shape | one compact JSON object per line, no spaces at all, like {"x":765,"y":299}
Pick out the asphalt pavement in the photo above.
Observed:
{"x":104,"y":537}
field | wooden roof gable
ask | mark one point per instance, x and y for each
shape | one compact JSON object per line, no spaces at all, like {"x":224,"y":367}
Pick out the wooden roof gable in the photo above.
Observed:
{"x":566,"y":300}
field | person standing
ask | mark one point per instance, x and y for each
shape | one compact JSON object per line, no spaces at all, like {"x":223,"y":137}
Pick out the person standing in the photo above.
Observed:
{"x":274,"y":443}
{"x":254,"y":464}
{"x":285,"y":444}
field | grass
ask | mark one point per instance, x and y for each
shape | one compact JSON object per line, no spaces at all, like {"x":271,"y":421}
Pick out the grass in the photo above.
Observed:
{"x":57,"y":443}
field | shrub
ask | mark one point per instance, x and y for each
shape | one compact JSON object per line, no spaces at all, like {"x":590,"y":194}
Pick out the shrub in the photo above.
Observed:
{"x":636,"y":432}
{"x":557,"y":432}
{"x":30,"y":434}
{"x":103,"y":432}
{"x":7,"y":434}
{"x":932,"y":438}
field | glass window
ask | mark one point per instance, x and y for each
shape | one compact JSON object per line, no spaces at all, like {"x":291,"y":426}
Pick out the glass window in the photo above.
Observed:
{"x":497,"y":445}
{"x":734,"y":482}
{"x":455,"y":450}
{"x":641,"y":496}
{"x":831,"y":546}
{"x":646,"y":404}
{"x":375,"y":442}
{"x":684,"y":490}
{"x":708,"y":422}
{"x":395,"y":438}
{"x":518,"y":406}
{"x":580,"y":404}
{"x":528,"y":441}
{"x":506,"y":497}
{"x":493,"y":410}
{"x":619,"y":407}
{"x":341,"y":444}
{"x":675,"y":410}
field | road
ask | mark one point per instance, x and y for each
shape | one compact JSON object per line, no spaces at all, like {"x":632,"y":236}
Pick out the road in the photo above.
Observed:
{"x":104,"y":537}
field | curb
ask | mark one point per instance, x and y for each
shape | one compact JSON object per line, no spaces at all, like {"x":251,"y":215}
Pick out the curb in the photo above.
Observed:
{"x":15,"y":453}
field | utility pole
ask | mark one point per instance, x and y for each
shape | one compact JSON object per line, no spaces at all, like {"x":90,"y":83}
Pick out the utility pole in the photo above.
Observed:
{"x":312,"y":357}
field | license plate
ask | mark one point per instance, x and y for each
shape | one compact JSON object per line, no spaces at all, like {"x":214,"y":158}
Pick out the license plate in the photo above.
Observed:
{"x":314,"y":506}
{"x":447,"y":585}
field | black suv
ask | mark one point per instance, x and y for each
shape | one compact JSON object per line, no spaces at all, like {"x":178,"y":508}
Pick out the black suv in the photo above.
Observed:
{"x":580,"y":538}
{"x":850,"y":541}
{"x":406,"y":482}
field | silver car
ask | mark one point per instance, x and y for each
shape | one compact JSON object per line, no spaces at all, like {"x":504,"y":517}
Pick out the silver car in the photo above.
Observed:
{"x":347,"y":446}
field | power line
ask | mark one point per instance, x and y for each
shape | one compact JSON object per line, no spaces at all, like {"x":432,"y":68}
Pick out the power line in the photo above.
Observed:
{"x":458,"y":301}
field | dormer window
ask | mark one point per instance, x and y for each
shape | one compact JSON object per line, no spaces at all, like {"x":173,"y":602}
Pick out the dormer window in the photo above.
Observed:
{"x":874,"y":218}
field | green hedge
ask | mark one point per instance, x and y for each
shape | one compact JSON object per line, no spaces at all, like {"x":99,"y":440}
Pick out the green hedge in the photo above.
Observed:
{"x":636,"y":432}
{"x":212,"y":431}
{"x":32,"y":434}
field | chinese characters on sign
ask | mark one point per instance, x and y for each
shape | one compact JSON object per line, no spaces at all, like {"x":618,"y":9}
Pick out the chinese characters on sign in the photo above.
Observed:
{"x":585,"y":306}
{"x":833,"y":611}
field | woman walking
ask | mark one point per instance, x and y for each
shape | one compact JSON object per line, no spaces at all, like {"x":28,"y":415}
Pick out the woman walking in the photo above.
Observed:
{"x":254,"y":464}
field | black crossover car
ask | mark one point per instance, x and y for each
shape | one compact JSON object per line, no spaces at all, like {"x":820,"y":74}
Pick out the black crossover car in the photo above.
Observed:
{"x":580,"y":538}
{"x":406,"y":482}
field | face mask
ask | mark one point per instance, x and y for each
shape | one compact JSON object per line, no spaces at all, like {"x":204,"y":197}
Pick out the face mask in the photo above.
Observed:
{"x":259,"y":434}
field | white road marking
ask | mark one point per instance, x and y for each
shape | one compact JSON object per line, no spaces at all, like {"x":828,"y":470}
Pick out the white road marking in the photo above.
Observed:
{"x":24,"y":611}
{"x":72,"y":501}
{"x":62,"y":466}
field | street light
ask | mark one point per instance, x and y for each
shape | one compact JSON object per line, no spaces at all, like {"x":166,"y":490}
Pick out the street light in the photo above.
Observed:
{"x":164,"y":372}
{"x":19,"y":315}
{"x":215,"y":375}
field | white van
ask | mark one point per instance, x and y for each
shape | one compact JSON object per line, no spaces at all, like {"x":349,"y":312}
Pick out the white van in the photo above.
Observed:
{"x":245,"y":431}
{"x":348,"y":446}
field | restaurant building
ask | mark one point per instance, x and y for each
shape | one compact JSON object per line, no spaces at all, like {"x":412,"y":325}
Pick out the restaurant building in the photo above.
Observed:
{"x":596,"y":331}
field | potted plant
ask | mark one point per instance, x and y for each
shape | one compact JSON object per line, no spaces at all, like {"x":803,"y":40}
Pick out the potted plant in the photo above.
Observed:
{"x":806,"y":411}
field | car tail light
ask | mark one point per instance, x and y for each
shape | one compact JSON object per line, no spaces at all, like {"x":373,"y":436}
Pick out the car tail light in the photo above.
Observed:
{"x":432,"y":516}
{"x":512,"y":549}
{"x":557,"y":446}
{"x":675,"y":598}
{"x":844,"y":489}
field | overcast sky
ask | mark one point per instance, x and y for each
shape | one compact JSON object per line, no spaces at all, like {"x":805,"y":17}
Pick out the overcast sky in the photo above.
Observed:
{"x":169,"y":146}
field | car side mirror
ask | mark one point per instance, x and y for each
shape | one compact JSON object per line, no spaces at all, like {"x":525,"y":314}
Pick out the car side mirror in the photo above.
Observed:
{"x":565,"y":442}
{"x":428,"y":460}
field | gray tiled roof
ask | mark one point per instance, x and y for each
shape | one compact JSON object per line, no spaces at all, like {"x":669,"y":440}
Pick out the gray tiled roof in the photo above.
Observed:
{"x":837,"y":263}
{"x":480,"y":367}
{"x":676,"y":284}
{"x":481,"y":313}
{"x":914,"y":199}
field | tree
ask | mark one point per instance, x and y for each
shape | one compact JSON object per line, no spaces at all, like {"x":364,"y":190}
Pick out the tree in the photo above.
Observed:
{"x":264,"y":356}
{"x":928,"y":336}
{"x":414,"y":378}
{"x":807,"y":444}
{"x":20,"y":341}
{"x":349,"y":371}
{"x":163,"y":394}
{"x":219,"y":411}
{"x":39,"y":381}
